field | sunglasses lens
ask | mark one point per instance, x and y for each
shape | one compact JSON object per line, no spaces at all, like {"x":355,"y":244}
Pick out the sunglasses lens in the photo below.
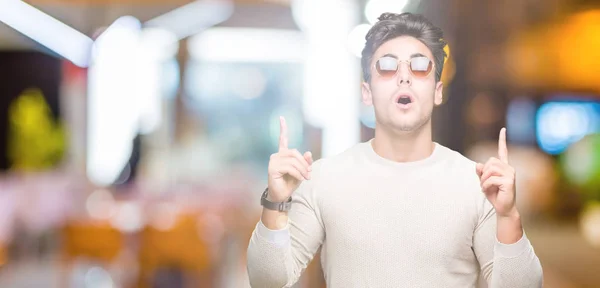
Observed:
{"x":420,"y":66}
{"x":387,"y":66}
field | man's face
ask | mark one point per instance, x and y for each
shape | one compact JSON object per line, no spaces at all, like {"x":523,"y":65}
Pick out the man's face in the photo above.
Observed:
{"x":384,"y":92}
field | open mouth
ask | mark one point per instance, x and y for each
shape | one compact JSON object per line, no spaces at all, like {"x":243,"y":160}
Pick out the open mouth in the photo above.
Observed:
{"x":404,"y":100}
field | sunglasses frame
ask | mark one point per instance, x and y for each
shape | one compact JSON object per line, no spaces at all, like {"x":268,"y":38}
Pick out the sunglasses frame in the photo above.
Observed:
{"x":409,"y":69}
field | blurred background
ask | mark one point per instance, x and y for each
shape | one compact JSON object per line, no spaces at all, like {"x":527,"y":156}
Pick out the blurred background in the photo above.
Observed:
{"x":135,"y":134}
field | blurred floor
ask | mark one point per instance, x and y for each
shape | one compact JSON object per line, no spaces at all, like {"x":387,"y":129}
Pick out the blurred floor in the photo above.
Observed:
{"x":561,"y":247}
{"x":568,"y":261}
{"x":27,"y":274}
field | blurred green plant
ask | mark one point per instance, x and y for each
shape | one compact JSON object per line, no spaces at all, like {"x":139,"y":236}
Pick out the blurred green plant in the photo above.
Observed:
{"x":35,"y":140}
{"x":581,"y":165}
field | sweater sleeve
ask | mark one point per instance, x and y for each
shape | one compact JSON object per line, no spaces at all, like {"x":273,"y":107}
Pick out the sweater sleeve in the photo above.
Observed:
{"x":277,"y":258}
{"x":504,"y":265}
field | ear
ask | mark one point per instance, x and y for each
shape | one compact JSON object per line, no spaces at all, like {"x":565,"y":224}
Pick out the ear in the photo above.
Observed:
{"x":367,"y":98}
{"x":439,"y":87}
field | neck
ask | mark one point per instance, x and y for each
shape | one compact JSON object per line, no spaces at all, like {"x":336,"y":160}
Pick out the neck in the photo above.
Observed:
{"x":403,"y":146}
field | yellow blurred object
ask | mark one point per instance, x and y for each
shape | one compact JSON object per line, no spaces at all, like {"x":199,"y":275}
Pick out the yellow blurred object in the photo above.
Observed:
{"x":35,"y":141}
{"x":95,"y":240}
{"x":577,"y":47}
{"x":448,"y":72}
{"x":3,"y":256}
{"x":589,"y":223}
{"x":560,"y":55}
{"x":90,"y":240}
{"x":180,"y":246}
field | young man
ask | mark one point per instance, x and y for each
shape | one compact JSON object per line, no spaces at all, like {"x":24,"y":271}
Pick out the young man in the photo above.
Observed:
{"x":399,"y":210}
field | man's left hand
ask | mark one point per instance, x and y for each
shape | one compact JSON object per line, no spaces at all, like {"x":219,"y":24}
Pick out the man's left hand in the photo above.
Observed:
{"x":498,"y":180}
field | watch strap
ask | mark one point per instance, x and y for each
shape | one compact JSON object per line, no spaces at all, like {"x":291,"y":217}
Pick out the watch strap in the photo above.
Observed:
{"x":276,"y":206}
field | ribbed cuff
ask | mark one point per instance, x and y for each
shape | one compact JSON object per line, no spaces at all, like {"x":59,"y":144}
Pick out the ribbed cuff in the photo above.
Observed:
{"x":279,"y":237}
{"x":512,"y":250}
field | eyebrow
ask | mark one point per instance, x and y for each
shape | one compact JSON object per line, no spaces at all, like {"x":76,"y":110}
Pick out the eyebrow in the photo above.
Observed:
{"x":414,"y":55}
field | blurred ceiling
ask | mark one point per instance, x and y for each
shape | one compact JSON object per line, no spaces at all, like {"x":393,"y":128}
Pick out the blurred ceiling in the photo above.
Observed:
{"x":478,"y":31}
{"x":88,"y":16}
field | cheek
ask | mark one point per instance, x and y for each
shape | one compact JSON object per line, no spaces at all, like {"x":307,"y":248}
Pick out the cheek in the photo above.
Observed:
{"x":382,"y":89}
{"x":425,"y":90}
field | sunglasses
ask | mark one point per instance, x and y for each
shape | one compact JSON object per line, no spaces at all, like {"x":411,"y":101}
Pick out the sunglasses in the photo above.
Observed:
{"x":419,"y":67}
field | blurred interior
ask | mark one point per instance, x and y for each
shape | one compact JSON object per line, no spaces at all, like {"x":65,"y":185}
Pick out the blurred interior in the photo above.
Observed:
{"x":135,"y":134}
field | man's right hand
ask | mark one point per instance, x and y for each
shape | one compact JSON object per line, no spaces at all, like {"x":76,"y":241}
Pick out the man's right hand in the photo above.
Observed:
{"x":287,"y":168}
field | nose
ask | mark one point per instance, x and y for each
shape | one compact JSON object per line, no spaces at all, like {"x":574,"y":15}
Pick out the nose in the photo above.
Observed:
{"x":404,"y":77}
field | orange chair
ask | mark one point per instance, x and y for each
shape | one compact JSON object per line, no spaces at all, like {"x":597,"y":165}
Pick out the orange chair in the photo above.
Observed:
{"x":180,"y":246}
{"x":97,"y":241}
{"x":3,"y":254}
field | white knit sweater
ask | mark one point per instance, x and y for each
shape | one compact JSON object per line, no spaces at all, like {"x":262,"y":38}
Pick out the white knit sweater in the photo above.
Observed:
{"x":382,"y":223}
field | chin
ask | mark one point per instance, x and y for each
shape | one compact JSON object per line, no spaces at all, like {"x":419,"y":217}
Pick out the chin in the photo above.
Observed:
{"x":405,"y":126}
{"x":408,"y":126}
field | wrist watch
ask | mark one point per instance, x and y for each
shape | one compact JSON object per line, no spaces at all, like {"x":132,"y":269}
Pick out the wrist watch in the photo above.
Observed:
{"x":276,"y":206}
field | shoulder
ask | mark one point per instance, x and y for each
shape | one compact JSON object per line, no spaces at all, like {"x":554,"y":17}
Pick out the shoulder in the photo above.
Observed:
{"x":462,"y":172}
{"x":461,"y":168}
{"x":458,"y":161}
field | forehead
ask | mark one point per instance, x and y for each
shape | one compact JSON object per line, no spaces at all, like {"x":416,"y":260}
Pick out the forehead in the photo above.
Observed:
{"x":402,"y":47}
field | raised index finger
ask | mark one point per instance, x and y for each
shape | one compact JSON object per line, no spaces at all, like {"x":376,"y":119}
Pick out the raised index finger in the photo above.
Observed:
{"x":283,"y":134}
{"x":502,"y":150}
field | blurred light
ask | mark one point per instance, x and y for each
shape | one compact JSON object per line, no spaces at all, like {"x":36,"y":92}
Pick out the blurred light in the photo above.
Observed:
{"x":171,"y":75}
{"x":97,"y":277}
{"x":164,"y":216}
{"x":248,"y":83}
{"x":316,"y":16}
{"x":205,"y":84}
{"x":329,"y":71}
{"x":559,"y":124}
{"x":121,"y":28}
{"x":128,"y":217}
{"x":127,"y":83}
{"x":589,"y":224}
{"x":247,"y":45}
{"x":520,"y":120}
{"x":449,"y":69}
{"x":539,"y":59}
{"x":447,"y":50}
{"x":113,"y":117}
{"x":156,"y":48}
{"x":375,"y":8}
{"x":357,"y":39}
{"x":581,"y":65}
{"x":367,"y":116}
{"x":194,"y":17}
{"x":211,"y":228}
{"x":581,"y":163}
{"x":482,"y":111}
{"x":125,"y":175}
{"x":158,"y":43}
{"x":100,"y":205}
{"x":42,"y":28}
{"x":308,"y":16}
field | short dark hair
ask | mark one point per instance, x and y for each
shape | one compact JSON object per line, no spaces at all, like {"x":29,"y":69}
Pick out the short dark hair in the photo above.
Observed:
{"x":392,"y":25}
